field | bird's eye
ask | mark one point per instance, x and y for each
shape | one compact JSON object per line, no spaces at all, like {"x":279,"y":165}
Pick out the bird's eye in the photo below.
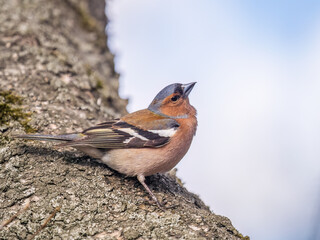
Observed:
{"x":175,"y":98}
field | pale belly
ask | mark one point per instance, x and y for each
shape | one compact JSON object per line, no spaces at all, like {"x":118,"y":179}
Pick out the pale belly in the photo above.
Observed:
{"x":146,"y":161}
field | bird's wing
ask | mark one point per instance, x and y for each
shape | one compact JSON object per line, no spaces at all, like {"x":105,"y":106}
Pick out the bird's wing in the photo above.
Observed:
{"x":119,"y":133}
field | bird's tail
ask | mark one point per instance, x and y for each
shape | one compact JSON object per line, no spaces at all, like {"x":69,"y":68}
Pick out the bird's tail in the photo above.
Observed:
{"x":59,"y":138}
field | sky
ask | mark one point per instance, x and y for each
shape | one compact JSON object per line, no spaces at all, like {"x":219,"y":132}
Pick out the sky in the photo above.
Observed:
{"x":256,"y":155}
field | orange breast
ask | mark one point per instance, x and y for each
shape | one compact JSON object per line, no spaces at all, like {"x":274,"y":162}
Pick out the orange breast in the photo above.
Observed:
{"x":148,"y":161}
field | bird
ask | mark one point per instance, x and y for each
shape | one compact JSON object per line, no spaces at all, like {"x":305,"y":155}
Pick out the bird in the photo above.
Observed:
{"x":142,"y":143}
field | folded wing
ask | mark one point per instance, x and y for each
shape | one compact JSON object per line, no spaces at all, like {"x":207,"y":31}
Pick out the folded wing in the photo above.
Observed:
{"x":119,"y":133}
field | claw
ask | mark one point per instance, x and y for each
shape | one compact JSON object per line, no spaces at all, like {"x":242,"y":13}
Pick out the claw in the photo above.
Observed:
{"x":141,"y":179}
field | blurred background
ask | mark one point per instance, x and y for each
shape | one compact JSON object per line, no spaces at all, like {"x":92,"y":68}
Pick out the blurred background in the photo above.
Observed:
{"x":256,"y":155}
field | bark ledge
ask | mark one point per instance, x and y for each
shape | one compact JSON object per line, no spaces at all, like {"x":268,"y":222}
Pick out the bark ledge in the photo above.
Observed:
{"x":54,"y":57}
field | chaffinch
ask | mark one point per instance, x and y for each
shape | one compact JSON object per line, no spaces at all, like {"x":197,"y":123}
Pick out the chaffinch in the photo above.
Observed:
{"x":142,"y":143}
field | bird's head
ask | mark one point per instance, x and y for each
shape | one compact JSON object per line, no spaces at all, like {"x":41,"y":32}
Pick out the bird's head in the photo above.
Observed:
{"x":173,"y":101}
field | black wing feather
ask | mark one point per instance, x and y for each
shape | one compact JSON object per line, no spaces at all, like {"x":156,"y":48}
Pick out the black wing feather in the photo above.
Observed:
{"x":119,"y":134}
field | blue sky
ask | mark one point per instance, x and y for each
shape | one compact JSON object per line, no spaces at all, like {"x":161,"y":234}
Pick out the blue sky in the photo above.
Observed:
{"x":255,"y":158}
{"x":287,"y":20}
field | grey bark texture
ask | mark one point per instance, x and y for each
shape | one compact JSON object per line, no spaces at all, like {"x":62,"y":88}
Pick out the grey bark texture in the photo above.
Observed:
{"x":53,"y":54}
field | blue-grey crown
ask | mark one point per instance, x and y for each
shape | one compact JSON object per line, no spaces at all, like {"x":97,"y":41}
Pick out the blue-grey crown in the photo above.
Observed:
{"x":168,"y":90}
{"x":183,"y":89}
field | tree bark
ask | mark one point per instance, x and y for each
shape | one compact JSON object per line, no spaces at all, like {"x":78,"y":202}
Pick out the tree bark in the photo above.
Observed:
{"x":55,"y":65}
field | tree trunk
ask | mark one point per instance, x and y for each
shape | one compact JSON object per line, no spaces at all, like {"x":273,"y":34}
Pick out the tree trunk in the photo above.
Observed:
{"x":57,"y":75}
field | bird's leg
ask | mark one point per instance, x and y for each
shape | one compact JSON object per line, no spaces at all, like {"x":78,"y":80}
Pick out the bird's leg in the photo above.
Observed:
{"x":141,"y":179}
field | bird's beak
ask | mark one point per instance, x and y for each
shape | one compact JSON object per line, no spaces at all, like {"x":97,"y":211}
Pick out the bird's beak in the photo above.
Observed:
{"x":187,"y":88}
